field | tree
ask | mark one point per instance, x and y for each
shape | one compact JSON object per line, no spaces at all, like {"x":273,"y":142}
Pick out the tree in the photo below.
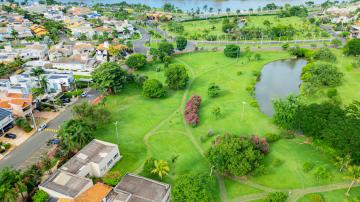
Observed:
{"x":136,"y":61}
{"x":14,"y":33}
{"x":285,"y":111}
{"x":216,"y":111}
{"x":352,"y":47}
{"x":44,"y":83}
{"x":193,"y":187}
{"x":181,"y":43}
{"x":75,"y":134}
{"x":40,"y":196}
{"x":176,"y":76}
{"x":267,"y":23}
{"x":321,"y":172}
{"x":94,"y":115}
{"x":109,"y":77}
{"x":354,"y":175}
{"x":234,"y":155}
{"x":153,"y":88}
{"x":232,"y":51}
{"x":161,"y":168}
{"x":37,"y":72}
{"x":213,"y":90}
{"x":325,"y":54}
{"x":336,"y":43}
{"x":322,"y":74}
{"x":343,"y":162}
{"x":165,"y":49}
{"x":11,"y":185}
{"x":276,"y":197}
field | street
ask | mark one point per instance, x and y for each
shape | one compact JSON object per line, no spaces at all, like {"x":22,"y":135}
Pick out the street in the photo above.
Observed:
{"x":35,"y":143}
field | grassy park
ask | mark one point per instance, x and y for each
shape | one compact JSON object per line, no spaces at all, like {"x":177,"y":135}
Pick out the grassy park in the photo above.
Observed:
{"x":156,"y":128}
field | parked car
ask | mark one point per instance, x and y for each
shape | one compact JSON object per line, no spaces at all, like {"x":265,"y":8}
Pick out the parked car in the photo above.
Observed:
{"x":53,"y":141}
{"x":7,"y":128}
{"x":84,"y":94}
{"x":65,"y":100}
{"x":10,"y":135}
{"x":42,"y":127}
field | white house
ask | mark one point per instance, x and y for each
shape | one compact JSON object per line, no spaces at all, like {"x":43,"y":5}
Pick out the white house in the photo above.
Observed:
{"x":95,"y":159}
{"x":35,"y":51}
{"x":86,"y":29}
{"x":59,"y":51}
{"x":6,"y":118}
{"x":79,"y":64}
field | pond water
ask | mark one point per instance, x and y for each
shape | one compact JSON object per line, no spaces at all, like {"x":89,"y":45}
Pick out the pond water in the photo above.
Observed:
{"x":278,"y":80}
{"x":187,"y":5}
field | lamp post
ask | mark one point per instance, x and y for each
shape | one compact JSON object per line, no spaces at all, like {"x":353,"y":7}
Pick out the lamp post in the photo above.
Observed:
{"x":116,"y":128}
{"x":243,"y":110}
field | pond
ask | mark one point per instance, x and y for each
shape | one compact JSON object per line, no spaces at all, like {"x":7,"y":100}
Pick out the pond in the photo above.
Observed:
{"x":278,"y":80}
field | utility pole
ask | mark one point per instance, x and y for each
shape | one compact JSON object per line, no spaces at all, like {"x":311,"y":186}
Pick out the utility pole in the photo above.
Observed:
{"x":116,"y":128}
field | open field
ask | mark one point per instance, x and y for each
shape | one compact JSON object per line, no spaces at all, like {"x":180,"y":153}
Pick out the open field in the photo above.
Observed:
{"x":338,"y":195}
{"x":198,"y":29}
{"x":155,"y":127}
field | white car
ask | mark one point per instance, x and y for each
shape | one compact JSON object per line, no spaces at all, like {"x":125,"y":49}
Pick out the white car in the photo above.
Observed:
{"x":42,"y":127}
{"x":84,"y":94}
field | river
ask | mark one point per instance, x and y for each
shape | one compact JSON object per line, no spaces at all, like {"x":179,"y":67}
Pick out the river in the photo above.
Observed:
{"x":187,"y":5}
{"x":278,"y":80}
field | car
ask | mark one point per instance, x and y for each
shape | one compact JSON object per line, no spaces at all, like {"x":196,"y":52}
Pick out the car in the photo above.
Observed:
{"x":84,"y":94}
{"x":7,"y":128}
{"x":53,"y":141}
{"x":10,"y":135}
{"x":42,"y":127}
{"x":65,"y":100}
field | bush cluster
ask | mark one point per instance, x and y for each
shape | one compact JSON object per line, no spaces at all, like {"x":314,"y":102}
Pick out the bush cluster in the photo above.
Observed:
{"x":191,"y":110}
{"x":23,"y":124}
{"x":4,"y":147}
{"x":260,"y":143}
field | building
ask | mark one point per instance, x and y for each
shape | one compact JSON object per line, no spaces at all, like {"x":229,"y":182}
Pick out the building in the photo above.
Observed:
{"x":136,"y":188}
{"x":159,"y":16}
{"x":21,"y":30}
{"x":79,"y":64}
{"x":96,"y":193}
{"x":95,"y":159}
{"x":65,"y":185}
{"x":82,"y":29}
{"x":38,"y":30}
{"x":81,"y":48}
{"x":71,"y":180}
{"x":355,"y":31}
{"x":80,"y":11}
{"x":58,"y":52}
{"x":100,"y":31}
{"x":6,"y":119}
{"x":35,"y":51}
{"x":17,"y":100}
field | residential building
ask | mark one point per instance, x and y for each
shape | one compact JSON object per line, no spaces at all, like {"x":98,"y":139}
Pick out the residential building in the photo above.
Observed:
{"x":95,"y":159}
{"x":96,"y":193}
{"x":76,"y":63}
{"x":71,"y":182}
{"x":100,"y":31}
{"x":80,"y":11}
{"x":35,"y":51}
{"x":17,"y":100}
{"x":22,"y":31}
{"x":60,"y":51}
{"x":137,"y":188}
{"x":81,"y":48}
{"x":38,"y":30}
{"x":83,"y":29}
{"x":65,"y":185}
{"x":355,"y":31}
{"x":159,"y":16}
{"x":8,"y":55}
{"x":6,"y":119}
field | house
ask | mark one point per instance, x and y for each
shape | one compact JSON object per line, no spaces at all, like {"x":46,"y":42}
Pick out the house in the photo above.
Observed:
{"x":22,"y":31}
{"x":58,"y":52}
{"x":56,"y":15}
{"x":93,"y":15}
{"x":82,"y":29}
{"x":71,"y":180}
{"x":95,"y":159}
{"x":102,"y":50}
{"x":65,"y":185}
{"x":137,"y":188}
{"x":17,"y":100}
{"x":38,"y":30}
{"x":6,"y":119}
{"x":35,"y":51}
{"x":96,"y":193}
{"x":76,"y":63}
{"x":4,"y":33}
{"x":159,"y":16}
{"x":81,"y":48}
{"x":100,"y":31}
{"x":80,"y":11}
{"x":124,"y":28}
{"x":7,"y":56}
{"x":355,"y":30}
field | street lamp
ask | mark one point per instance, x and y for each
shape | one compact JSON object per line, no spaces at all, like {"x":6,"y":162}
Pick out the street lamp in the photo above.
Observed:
{"x":116,"y":128}
{"x":243,"y":110}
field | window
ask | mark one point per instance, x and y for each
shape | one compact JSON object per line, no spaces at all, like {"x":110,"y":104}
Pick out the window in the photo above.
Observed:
{"x":109,"y":163}
{"x":116,"y":155}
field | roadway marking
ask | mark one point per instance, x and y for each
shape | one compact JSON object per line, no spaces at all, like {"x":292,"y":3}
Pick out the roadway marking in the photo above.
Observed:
{"x":51,"y":130}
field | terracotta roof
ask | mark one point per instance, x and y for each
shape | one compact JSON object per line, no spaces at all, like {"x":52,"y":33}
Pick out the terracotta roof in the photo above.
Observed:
{"x":14,"y":95}
{"x":95,"y":193}
{"x":64,"y":200}
{"x":5,"y":105}
{"x":103,"y":29}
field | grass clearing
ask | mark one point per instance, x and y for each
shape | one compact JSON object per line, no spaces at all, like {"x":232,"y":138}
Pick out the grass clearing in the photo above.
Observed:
{"x":337,"y":195}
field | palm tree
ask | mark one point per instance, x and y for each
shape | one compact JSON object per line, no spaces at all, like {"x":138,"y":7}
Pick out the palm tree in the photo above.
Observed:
{"x":161,"y":168}
{"x":14,"y":33}
{"x":37,"y":71}
{"x":354,"y":175}
{"x":343,"y":162}
{"x":44,"y":82}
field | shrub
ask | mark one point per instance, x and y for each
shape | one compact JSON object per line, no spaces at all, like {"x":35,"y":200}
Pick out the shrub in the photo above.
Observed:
{"x":40,"y":196}
{"x":112,"y":178}
{"x":181,"y":43}
{"x":285,"y":46}
{"x":308,"y":166}
{"x":191,"y":110}
{"x":213,"y":90}
{"x":332,"y":92}
{"x":232,"y":51}
{"x":260,"y":144}
{"x":153,"y":88}
{"x":325,"y":54}
{"x":297,"y":51}
{"x":272,"y":137}
{"x":176,"y":76}
{"x":276,"y":197}
{"x":23,"y":124}
{"x":352,"y":47}
{"x":136,"y":61}
{"x":316,"y":198}
{"x":77,"y":92}
{"x":216,"y":111}
{"x":322,"y":74}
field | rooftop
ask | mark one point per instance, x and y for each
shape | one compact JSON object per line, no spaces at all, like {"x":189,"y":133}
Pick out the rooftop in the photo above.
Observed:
{"x":95,"y":193}
{"x":66,"y":183}
{"x":94,"y":152}
{"x":140,"y":189}
{"x":4,"y":113}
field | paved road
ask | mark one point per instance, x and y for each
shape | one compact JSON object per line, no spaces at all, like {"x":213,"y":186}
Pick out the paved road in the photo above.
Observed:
{"x":36,"y":142}
{"x":139,"y":45}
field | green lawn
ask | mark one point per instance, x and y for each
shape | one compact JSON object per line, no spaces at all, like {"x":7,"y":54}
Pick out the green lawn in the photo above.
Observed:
{"x":305,"y":30}
{"x":155,"y":127}
{"x":337,"y":195}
